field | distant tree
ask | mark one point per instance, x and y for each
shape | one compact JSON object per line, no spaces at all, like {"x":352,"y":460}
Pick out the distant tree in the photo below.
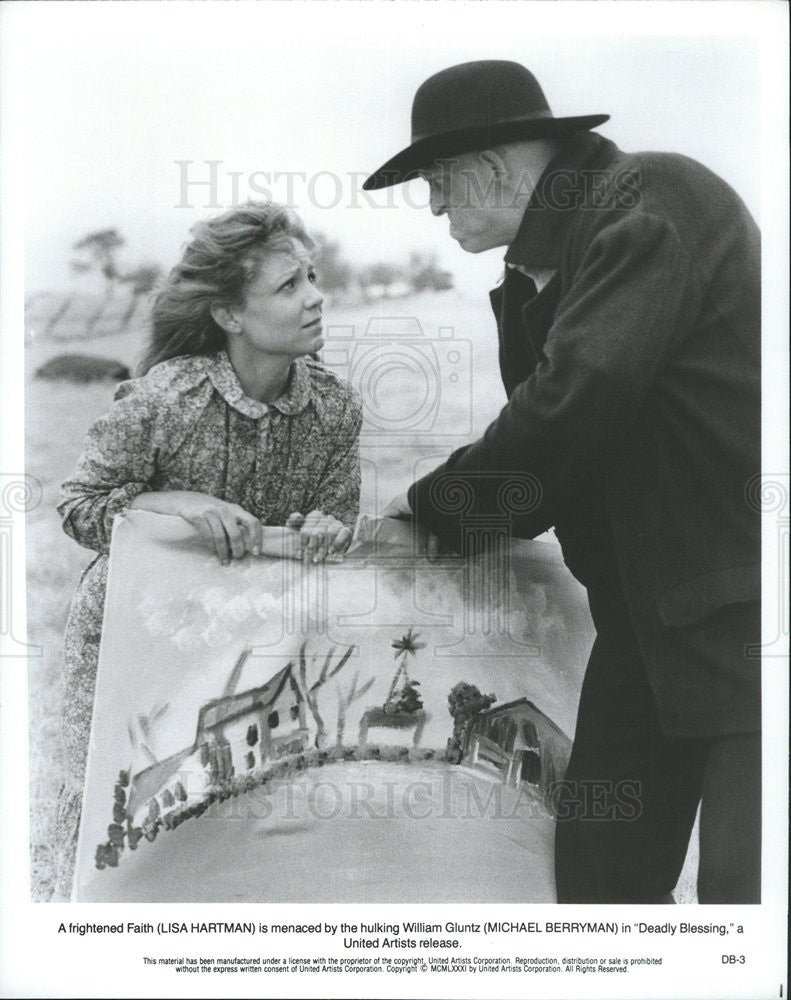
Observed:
{"x":59,"y":313}
{"x":141,"y":280}
{"x":334,"y":272}
{"x":382,"y":274}
{"x":464,"y":702}
{"x":424,"y":274}
{"x":100,"y":249}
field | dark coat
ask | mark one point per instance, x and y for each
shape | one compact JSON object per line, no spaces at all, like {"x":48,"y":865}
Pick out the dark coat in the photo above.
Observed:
{"x":633,"y":414}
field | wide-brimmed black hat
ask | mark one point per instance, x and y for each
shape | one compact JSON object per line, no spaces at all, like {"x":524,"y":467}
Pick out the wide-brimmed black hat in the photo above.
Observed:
{"x":475,"y":105}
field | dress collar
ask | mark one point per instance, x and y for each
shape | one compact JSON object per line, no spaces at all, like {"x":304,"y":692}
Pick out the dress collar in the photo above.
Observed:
{"x":224,"y":379}
{"x":565,"y":185}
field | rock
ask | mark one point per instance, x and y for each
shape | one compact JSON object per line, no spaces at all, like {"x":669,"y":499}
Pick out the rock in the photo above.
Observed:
{"x":83,"y":368}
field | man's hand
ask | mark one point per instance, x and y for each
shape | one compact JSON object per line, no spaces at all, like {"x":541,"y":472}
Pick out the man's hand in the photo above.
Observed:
{"x":226,"y":528}
{"x":398,"y":508}
{"x":320,"y":535}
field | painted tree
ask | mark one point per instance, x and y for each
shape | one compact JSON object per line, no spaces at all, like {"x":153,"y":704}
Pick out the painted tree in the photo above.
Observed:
{"x":345,"y":699}
{"x":409,"y":699}
{"x":464,"y":702}
{"x":310,"y":691}
{"x":404,"y":647}
{"x":142,"y":734}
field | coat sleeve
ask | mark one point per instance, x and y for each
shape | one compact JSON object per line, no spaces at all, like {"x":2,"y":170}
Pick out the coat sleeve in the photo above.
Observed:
{"x":339,"y":491}
{"x":634,"y":297}
{"x":118,"y":461}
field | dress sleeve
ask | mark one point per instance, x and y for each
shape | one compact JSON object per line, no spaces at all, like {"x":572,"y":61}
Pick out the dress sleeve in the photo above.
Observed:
{"x":118,"y":462}
{"x":339,"y":491}
{"x":635,"y":296}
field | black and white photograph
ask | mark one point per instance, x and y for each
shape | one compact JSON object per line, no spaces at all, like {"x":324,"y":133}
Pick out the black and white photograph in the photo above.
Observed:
{"x":395,"y":498}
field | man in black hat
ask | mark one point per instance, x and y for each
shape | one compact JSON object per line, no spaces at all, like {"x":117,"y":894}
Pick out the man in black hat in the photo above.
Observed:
{"x":629,"y":345}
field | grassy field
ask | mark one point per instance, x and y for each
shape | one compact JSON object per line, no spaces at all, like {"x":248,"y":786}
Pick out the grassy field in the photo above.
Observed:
{"x":435,"y":386}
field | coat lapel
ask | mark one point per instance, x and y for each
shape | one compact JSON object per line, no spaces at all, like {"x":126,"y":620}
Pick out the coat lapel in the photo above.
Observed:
{"x":524,"y":318}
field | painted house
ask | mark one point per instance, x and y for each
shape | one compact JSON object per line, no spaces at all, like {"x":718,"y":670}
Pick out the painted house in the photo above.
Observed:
{"x":256,"y":724}
{"x":152,"y":780}
{"x":235,"y":732}
{"x":518,"y":741}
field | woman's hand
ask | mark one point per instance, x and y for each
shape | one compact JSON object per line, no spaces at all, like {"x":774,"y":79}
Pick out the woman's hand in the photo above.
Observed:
{"x":226,"y":528}
{"x":320,"y":535}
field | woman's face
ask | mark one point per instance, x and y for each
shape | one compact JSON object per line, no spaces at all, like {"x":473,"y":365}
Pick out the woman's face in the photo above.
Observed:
{"x":281,"y":315}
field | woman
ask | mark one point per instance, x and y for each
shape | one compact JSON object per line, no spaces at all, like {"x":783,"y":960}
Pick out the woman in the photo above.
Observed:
{"x":230,"y":426}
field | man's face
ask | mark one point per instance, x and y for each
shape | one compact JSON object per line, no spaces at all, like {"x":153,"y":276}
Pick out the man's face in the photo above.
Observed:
{"x":469,"y":190}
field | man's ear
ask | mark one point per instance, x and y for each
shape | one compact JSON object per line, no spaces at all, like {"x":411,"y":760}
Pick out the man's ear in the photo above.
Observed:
{"x":494,"y":161}
{"x":225,"y":317}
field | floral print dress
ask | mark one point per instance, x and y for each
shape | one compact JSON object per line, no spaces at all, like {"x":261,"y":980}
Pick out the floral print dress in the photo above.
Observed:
{"x":187,"y":425}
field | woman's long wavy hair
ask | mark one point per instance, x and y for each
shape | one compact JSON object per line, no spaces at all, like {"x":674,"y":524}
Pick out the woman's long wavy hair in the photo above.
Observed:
{"x":216,"y":265}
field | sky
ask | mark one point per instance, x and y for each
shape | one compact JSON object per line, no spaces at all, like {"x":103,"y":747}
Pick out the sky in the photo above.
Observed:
{"x":122,"y":104}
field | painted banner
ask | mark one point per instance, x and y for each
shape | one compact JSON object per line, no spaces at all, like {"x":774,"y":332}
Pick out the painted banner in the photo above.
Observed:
{"x":388,"y":728}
